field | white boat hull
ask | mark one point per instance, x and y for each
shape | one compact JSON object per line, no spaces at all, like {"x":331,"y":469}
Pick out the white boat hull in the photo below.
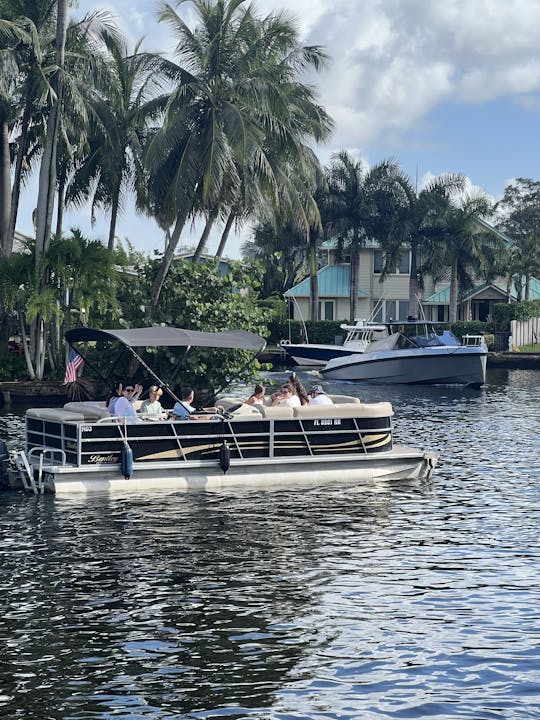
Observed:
{"x":400,"y":463}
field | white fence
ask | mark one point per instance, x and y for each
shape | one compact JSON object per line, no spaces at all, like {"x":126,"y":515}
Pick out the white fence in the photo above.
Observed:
{"x":524,"y":332}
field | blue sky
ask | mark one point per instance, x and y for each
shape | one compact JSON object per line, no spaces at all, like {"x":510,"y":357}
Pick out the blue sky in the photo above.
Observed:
{"x":438,"y":85}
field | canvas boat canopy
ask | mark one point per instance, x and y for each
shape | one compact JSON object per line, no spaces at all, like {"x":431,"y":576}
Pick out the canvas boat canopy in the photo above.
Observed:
{"x":170,"y":337}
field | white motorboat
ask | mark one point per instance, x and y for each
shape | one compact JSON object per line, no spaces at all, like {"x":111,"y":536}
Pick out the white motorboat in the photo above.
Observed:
{"x":357,"y":339}
{"x":413,"y":353}
{"x":80,"y":448}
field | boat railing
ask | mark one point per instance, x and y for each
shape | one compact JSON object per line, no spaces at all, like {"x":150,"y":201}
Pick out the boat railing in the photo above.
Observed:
{"x":473,"y":340}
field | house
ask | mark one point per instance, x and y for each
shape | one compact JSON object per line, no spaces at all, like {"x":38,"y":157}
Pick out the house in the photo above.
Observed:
{"x":388,"y":299}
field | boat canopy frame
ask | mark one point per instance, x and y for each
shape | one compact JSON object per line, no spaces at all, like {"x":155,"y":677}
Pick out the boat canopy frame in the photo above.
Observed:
{"x":165,"y":336}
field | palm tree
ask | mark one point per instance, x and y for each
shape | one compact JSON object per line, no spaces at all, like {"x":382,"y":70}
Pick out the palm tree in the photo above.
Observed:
{"x":468,"y":251}
{"x":357,"y":208}
{"x":47,"y":173}
{"x":237,"y":112}
{"x":417,"y":219}
{"x":121,"y":109}
{"x":26,"y":31}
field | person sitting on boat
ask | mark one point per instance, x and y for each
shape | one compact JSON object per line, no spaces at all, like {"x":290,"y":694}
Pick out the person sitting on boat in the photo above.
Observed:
{"x":258,"y":396}
{"x":152,"y":406}
{"x":319,"y":397}
{"x":116,"y":393}
{"x":123,"y":407}
{"x":184,"y":409}
{"x":286,"y":396}
{"x":299,"y":389}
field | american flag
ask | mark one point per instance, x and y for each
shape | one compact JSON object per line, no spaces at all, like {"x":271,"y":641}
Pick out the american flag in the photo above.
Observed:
{"x":74,"y":363}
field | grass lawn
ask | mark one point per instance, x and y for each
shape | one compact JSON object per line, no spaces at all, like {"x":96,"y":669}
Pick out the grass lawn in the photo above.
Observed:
{"x":530,"y":348}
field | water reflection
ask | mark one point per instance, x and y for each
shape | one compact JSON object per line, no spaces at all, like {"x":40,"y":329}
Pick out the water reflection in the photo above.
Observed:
{"x":370,"y":601}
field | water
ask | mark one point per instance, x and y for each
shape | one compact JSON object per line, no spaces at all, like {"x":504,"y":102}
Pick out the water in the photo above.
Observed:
{"x":358,"y":602}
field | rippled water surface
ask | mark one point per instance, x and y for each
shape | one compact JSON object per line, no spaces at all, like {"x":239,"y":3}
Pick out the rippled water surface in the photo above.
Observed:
{"x":341,"y":601}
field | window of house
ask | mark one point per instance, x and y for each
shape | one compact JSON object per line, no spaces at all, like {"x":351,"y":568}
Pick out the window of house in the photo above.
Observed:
{"x":392,"y":310}
{"x":326,"y":309}
{"x":402,"y":268}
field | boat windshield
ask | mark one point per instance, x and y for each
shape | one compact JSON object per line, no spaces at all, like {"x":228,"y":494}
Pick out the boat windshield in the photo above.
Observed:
{"x":422,"y":334}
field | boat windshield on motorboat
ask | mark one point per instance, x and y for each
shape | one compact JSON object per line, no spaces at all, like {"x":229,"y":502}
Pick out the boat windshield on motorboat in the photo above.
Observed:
{"x":414,"y":353}
{"x":80,"y":447}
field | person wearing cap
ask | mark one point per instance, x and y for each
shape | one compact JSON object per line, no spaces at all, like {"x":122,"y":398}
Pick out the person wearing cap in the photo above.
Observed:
{"x":152,"y":406}
{"x":319,"y":397}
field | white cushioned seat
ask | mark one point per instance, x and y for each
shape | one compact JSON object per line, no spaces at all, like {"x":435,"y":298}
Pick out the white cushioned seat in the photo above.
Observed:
{"x":375,"y":410}
{"x":55,"y":414}
{"x":277,"y":411}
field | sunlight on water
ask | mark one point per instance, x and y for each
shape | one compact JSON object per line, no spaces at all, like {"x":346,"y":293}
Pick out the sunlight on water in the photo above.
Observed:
{"x":299,"y":603}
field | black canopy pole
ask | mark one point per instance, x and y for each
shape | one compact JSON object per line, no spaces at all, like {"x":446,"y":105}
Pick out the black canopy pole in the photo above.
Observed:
{"x":152,"y":373}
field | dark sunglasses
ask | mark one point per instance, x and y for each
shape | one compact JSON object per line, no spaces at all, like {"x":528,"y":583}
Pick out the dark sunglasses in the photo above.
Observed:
{"x":129,"y":389}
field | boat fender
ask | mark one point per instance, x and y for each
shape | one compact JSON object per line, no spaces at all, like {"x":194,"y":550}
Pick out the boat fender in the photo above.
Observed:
{"x":126,"y":461}
{"x":224,"y":457}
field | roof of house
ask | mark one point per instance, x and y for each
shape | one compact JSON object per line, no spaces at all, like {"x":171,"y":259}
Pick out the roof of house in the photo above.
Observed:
{"x":442,"y":297}
{"x":334,"y":281}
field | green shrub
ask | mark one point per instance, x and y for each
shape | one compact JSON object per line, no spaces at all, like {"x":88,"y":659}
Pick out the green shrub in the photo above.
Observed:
{"x":323,"y":331}
{"x":469,"y":327}
{"x":503,"y":313}
{"x":13,"y":367}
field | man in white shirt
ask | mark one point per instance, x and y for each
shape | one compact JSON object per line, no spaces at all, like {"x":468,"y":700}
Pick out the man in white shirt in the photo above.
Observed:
{"x":318,"y":396}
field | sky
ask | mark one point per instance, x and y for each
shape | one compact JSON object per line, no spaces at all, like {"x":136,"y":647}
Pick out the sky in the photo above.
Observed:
{"x":437,"y":85}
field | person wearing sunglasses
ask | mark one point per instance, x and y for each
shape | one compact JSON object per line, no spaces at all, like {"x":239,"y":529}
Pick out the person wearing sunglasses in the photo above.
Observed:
{"x":123,"y":406}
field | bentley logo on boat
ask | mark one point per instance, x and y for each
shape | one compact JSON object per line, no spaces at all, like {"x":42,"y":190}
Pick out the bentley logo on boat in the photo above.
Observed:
{"x":104,"y":459}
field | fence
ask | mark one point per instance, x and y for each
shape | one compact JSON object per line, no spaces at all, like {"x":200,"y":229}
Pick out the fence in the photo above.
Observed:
{"x":525,"y":332}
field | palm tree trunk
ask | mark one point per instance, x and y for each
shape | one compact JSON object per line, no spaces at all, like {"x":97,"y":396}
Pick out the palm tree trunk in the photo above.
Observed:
{"x":5,"y":190}
{"x":60,"y":207}
{"x":453,"y":293}
{"x":17,"y":175}
{"x":114,"y":216}
{"x":47,"y":172}
{"x":413,"y":284}
{"x":527,"y":286}
{"x":313,"y":280}
{"x":355,"y":261}
{"x":164,"y":267}
{"x":206,"y":232}
{"x":225,"y":235}
{"x":27,"y":357}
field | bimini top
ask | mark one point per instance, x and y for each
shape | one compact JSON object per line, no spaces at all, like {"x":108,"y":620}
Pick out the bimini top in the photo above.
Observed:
{"x":170,"y":337}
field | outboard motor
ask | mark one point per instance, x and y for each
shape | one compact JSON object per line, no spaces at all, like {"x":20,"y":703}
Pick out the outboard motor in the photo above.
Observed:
{"x":4,"y":465}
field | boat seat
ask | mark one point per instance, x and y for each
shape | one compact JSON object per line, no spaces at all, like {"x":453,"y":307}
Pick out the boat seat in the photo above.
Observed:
{"x":90,"y":409}
{"x":277,"y":411}
{"x":244,"y":408}
{"x":374,"y":410}
{"x":57,"y":414}
{"x":344,"y":399}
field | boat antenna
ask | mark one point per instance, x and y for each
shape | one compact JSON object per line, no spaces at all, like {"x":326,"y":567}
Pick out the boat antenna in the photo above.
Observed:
{"x":421,"y":312}
{"x":304,"y":329}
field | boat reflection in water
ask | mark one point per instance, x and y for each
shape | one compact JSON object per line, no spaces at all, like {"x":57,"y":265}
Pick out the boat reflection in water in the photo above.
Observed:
{"x":80,"y":447}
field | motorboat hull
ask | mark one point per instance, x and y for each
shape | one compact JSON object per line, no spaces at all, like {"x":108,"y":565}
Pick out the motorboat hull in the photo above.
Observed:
{"x":441,"y":365}
{"x":308,"y":355}
{"x":68,"y":452}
